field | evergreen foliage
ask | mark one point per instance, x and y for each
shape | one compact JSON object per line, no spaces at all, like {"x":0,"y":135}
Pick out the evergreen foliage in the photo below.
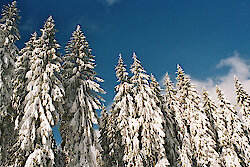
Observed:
{"x":243,"y":100}
{"x":82,"y":100}
{"x":104,"y":139}
{"x":119,"y":115}
{"x":22,"y":66}
{"x":196,"y":125}
{"x":235,"y":144}
{"x":9,"y":34}
{"x":43,"y":102}
{"x":212,"y":113}
{"x":172,"y":129}
{"x":145,"y":122}
{"x":144,"y":127}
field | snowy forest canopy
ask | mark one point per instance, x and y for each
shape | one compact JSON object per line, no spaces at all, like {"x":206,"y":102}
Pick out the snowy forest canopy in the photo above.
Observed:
{"x":145,"y":126}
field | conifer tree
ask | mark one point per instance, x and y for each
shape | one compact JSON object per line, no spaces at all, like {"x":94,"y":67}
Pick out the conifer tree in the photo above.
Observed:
{"x":123,"y":103}
{"x":104,"y":139}
{"x":22,"y":66}
{"x":157,"y":89}
{"x":43,"y":103}
{"x":196,"y":126}
{"x":236,"y":150}
{"x":9,"y":34}
{"x":171,"y":143}
{"x":170,"y":111}
{"x":82,"y":98}
{"x":186,"y":153}
{"x":212,"y":113}
{"x":146,"y":146}
{"x":243,"y":100}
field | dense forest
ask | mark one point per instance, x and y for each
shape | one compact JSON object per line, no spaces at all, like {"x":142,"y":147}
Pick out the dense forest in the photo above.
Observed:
{"x":147,"y":125}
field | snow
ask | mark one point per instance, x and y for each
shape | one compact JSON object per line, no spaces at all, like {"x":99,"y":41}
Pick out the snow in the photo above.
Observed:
{"x":143,"y":127}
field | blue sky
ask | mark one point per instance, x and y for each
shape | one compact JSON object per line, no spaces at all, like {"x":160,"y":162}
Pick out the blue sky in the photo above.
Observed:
{"x":210,"y":39}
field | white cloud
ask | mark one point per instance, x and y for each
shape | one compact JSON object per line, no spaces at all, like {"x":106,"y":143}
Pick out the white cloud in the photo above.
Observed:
{"x":237,"y":66}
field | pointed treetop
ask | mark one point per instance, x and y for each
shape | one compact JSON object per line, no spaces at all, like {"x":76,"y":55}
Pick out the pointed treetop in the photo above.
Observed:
{"x":9,"y":21}
{"x":121,"y":73}
{"x":168,"y":82}
{"x":180,"y":70}
{"x":220,"y":94}
{"x":78,"y":28}
{"x":235,"y":78}
{"x":48,"y":30}
{"x":169,"y":86}
{"x":154,"y":83}
{"x":238,"y":85}
{"x":222,"y":98}
{"x":79,"y":57}
{"x":134,"y":55}
{"x":242,"y":97}
{"x":136,"y":67}
{"x":139,"y":74}
{"x":49,"y":20}
{"x":78,"y":43}
{"x":179,"y":67}
{"x":10,"y":12}
{"x":239,"y":89}
{"x":49,"y":23}
{"x":218,"y":90}
{"x":182,"y":78}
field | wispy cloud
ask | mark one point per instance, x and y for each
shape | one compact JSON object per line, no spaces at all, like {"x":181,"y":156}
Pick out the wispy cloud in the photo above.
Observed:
{"x":28,"y":25}
{"x":111,"y":2}
{"x":237,"y":66}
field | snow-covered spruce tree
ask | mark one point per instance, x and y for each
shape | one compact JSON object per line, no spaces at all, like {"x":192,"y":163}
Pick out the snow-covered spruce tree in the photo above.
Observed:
{"x":171,"y":143}
{"x":186,"y":153}
{"x":104,"y":139}
{"x":170,"y":109}
{"x":236,"y":149}
{"x":146,"y":134}
{"x":122,"y":105}
{"x":212,"y":113}
{"x":157,"y":89}
{"x":200,"y":149}
{"x":22,"y":66}
{"x":82,"y":99}
{"x":43,"y":103}
{"x":243,"y":100}
{"x":9,"y":34}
